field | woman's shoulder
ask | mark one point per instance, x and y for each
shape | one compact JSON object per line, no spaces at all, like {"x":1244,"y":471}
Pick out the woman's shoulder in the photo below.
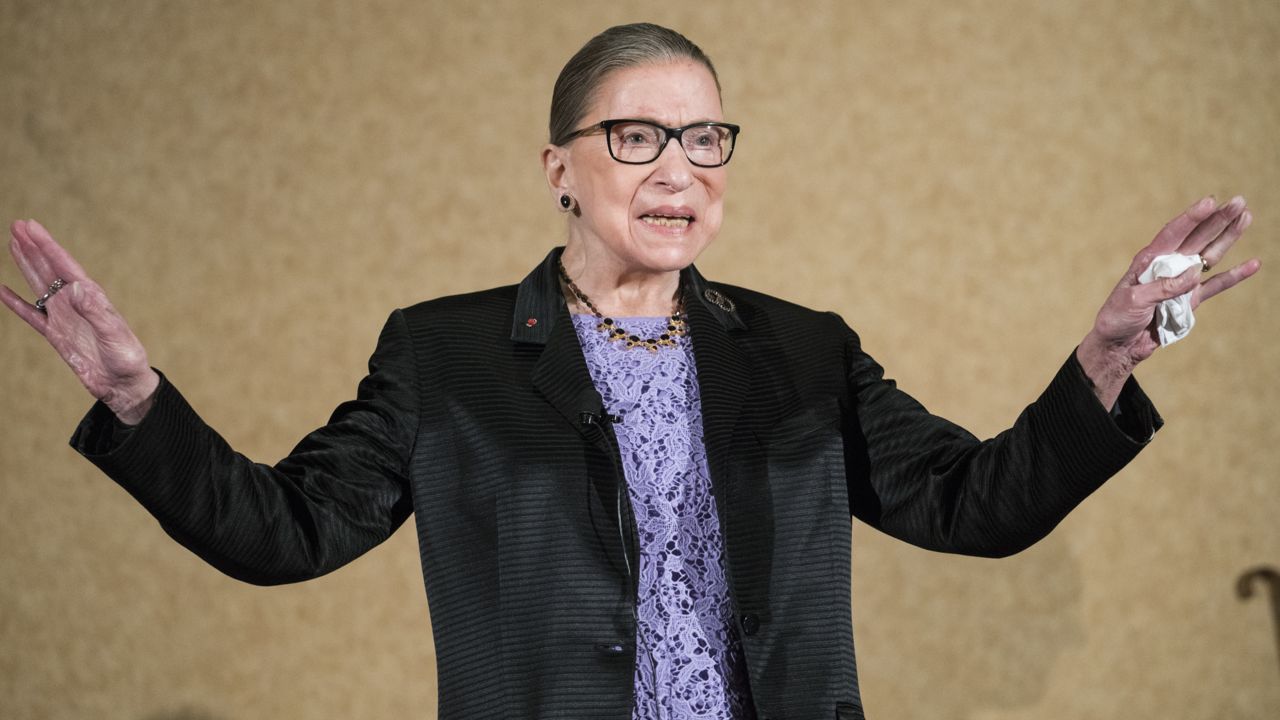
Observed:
{"x":472,"y":305}
{"x":467,"y":322}
{"x":755,"y":305}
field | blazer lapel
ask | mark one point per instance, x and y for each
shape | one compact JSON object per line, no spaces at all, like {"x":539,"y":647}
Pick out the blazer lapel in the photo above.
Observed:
{"x":724,"y":370}
{"x":560,"y":373}
{"x":562,"y":378}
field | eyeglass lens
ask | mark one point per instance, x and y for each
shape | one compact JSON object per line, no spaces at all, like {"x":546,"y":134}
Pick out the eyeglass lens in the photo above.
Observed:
{"x":639,"y":142}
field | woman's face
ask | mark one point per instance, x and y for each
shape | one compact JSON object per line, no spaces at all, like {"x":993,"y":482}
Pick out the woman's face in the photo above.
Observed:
{"x":656,"y":217}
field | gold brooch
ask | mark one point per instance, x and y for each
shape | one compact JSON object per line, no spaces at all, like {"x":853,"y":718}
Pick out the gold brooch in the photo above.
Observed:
{"x":719,"y":299}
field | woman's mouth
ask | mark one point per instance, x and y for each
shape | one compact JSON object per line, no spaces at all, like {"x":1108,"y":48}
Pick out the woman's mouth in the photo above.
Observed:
{"x":669,"y":221}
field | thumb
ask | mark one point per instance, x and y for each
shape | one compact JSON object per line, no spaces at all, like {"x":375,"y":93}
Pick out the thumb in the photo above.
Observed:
{"x":1172,"y":287}
{"x":1161,"y":289}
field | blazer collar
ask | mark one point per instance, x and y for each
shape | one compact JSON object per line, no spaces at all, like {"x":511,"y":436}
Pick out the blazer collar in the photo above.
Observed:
{"x":540,"y":304}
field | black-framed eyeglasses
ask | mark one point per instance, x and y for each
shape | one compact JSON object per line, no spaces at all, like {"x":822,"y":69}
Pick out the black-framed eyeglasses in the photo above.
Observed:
{"x":637,"y":142}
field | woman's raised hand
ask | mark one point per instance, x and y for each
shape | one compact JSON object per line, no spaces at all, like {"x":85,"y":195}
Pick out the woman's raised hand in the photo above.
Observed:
{"x":1124,"y":332}
{"x":80,"y":323}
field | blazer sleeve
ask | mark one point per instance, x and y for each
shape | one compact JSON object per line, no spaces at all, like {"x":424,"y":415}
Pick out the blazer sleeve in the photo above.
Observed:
{"x":342,"y":490}
{"x":931,"y":483}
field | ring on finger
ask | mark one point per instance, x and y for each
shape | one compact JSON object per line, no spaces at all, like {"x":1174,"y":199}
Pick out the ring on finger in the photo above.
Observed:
{"x":1204,"y":265}
{"x":54,"y":287}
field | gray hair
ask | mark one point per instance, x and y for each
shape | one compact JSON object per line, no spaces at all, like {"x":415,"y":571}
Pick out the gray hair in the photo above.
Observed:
{"x":622,"y":46}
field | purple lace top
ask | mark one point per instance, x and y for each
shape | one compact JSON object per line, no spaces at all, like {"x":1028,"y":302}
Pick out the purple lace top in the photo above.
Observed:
{"x":689,"y":661}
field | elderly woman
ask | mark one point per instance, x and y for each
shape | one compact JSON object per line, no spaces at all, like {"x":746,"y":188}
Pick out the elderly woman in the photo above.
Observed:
{"x":632,"y":486}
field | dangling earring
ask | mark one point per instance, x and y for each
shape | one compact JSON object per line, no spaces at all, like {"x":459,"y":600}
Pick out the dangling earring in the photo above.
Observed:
{"x":566,"y":202}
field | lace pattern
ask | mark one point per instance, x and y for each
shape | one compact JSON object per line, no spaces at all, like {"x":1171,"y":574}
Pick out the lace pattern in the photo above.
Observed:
{"x":689,"y":661}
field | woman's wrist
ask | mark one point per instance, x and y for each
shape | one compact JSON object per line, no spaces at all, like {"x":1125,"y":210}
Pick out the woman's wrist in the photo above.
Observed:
{"x":1106,"y":366}
{"x":131,"y":403}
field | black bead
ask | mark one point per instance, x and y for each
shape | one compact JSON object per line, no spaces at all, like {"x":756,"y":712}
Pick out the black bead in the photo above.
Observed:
{"x":607,"y":321}
{"x":565,"y":202}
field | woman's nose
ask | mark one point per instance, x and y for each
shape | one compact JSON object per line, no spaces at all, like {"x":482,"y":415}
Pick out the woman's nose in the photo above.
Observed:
{"x":673,"y":169}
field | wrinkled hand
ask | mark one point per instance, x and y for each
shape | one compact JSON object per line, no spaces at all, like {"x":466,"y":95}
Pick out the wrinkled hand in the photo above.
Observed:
{"x":81,"y":324}
{"x":1124,"y":332}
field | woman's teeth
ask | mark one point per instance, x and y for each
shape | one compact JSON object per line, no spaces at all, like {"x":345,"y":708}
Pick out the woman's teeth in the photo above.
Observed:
{"x":671,"y":222}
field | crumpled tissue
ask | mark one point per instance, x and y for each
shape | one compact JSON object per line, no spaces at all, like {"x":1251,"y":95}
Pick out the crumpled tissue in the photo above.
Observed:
{"x":1174,"y":318}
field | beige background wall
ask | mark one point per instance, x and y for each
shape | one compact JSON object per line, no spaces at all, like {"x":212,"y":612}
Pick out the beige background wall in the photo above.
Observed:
{"x":258,"y":184}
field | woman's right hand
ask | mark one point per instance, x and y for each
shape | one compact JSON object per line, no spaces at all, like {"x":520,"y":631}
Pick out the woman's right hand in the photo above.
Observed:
{"x":81,"y":324}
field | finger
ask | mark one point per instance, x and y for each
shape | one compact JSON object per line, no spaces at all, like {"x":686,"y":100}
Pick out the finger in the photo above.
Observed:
{"x":1214,"y":253}
{"x":1226,"y":280}
{"x":1212,"y":226}
{"x":36,"y":319}
{"x":1177,"y":229}
{"x":1156,"y":292}
{"x":18,"y":248}
{"x":1169,"y":237}
{"x":40,"y":266}
{"x":66,"y":266}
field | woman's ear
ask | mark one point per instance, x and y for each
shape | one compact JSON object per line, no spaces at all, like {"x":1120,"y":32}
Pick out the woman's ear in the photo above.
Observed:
{"x":555,"y":164}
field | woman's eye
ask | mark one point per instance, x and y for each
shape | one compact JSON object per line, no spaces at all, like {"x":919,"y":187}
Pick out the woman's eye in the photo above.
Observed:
{"x":633,"y":135}
{"x":705,"y":140}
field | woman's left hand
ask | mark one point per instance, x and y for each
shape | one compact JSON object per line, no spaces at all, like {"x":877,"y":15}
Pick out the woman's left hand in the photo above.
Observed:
{"x":1124,"y":332}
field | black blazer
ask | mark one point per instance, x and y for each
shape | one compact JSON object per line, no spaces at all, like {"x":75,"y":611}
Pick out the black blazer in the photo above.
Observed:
{"x":478,"y":416}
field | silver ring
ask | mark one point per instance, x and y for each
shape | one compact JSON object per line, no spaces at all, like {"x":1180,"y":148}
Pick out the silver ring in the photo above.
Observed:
{"x":54,"y":287}
{"x":1204,"y":265}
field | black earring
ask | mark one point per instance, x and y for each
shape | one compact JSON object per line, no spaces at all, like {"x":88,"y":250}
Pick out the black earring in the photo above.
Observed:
{"x":566,"y":202}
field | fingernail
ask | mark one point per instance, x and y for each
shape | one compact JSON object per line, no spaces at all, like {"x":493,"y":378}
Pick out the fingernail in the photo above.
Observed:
{"x":1246,"y":218}
{"x":76,"y":291}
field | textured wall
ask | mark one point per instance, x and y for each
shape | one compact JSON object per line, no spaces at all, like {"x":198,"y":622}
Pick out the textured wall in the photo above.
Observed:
{"x":257,"y":184}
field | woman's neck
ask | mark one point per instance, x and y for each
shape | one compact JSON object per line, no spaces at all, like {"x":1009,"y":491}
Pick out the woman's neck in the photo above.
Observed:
{"x":618,"y":291}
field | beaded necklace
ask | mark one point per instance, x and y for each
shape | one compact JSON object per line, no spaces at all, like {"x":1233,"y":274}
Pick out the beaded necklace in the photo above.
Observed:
{"x":675,"y":323}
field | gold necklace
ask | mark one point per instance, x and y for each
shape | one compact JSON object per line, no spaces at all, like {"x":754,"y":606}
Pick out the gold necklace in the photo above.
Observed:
{"x":675,"y":323}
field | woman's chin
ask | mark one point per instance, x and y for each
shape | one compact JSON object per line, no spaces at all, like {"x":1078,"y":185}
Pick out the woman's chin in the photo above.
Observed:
{"x":669,"y":248}
{"x":670,"y":258}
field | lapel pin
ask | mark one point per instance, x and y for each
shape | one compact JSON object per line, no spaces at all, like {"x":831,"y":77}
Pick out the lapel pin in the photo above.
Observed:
{"x":719,"y":299}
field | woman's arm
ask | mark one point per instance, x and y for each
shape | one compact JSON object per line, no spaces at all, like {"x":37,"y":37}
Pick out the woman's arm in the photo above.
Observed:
{"x":340,"y":492}
{"x":929,"y":482}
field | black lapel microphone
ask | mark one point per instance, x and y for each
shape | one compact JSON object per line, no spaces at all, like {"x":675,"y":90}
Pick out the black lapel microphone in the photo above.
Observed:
{"x":587,"y":418}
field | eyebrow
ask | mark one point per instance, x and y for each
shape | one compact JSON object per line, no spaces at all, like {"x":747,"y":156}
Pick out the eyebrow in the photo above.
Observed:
{"x":655,"y":121}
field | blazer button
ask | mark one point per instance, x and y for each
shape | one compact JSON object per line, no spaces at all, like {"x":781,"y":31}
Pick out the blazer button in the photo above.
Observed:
{"x":750,"y":624}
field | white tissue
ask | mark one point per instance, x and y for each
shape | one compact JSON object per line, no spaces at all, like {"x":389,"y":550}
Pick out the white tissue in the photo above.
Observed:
{"x":1174,"y":318}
